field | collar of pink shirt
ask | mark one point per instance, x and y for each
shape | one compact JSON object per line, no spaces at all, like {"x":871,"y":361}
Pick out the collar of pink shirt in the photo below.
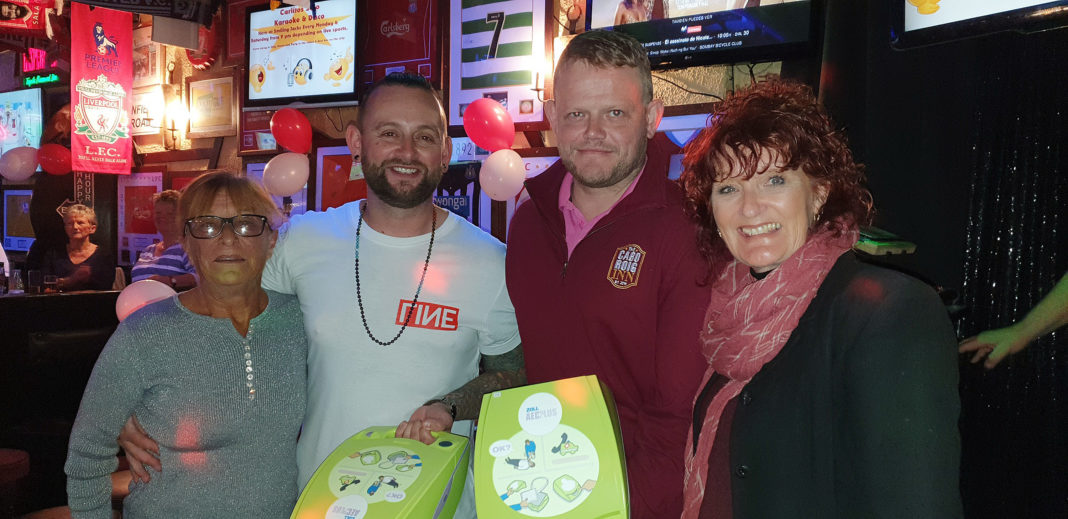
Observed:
{"x":576,"y":226}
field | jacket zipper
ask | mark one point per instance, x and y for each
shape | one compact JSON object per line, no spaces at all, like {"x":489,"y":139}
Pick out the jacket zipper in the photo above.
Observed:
{"x":563,"y":272}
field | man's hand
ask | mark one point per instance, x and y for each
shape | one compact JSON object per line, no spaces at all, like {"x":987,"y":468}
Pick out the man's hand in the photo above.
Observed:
{"x":141,"y":450}
{"x":431,"y":417}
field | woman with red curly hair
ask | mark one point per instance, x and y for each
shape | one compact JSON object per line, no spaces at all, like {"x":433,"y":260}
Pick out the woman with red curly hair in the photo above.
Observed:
{"x":831,"y":389}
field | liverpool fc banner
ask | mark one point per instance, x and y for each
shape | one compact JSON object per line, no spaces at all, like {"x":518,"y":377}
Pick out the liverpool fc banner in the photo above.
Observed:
{"x":101,"y":84}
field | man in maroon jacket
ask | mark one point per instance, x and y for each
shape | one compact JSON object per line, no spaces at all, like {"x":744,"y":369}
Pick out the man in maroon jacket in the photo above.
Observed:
{"x":602,"y":263}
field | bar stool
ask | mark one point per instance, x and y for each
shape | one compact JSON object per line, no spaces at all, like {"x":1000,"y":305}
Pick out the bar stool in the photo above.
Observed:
{"x":14,"y":467}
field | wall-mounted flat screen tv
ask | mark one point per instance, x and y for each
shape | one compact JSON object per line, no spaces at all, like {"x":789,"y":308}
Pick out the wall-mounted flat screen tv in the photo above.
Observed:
{"x":682,"y":33}
{"x":18,"y":232}
{"x":916,"y":23}
{"x":20,"y":119}
{"x":301,"y":57}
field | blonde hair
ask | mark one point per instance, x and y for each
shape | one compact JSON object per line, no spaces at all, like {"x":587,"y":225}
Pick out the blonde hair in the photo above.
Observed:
{"x":246,"y":195}
{"x":80,"y":209}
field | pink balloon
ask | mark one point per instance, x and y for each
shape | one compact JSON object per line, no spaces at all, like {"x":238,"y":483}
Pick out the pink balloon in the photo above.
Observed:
{"x":54,"y":159}
{"x":18,"y":164}
{"x":140,"y":294}
{"x":488,"y":125}
{"x":502,"y":175}
{"x":286,"y":174}
{"x":291,"y":130}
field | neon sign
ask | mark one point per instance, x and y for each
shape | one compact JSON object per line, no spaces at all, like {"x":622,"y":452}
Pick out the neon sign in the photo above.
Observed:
{"x":36,"y":59}
{"x":40,"y":80}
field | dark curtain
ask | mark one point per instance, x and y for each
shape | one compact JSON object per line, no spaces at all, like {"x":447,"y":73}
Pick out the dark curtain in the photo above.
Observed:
{"x":1014,"y":419}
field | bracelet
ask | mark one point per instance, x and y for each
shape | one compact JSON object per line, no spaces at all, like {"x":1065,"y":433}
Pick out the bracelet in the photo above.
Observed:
{"x":448,"y":403}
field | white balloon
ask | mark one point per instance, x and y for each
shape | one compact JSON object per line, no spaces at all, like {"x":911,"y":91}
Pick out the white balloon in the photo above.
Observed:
{"x":286,"y":174}
{"x":18,"y":163}
{"x":502,"y":175}
{"x":140,"y":294}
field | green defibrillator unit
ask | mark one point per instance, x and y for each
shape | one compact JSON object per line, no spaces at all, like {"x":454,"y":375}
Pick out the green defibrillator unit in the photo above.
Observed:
{"x":551,"y":450}
{"x":375,"y":475}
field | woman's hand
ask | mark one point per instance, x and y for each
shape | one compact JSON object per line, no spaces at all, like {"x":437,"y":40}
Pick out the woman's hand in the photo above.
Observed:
{"x":995,"y":344}
{"x":77,"y":279}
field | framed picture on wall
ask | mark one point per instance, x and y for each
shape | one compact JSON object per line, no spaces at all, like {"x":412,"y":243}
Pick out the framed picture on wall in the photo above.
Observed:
{"x":499,"y":49}
{"x":179,"y":179}
{"x":148,"y":59}
{"x":137,"y":227}
{"x":254,"y":134}
{"x":146,"y":117}
{"x":213,"y":106}
{"x":397,"y":37}
{"x":334,"y":185}
{"x":233,"y":52}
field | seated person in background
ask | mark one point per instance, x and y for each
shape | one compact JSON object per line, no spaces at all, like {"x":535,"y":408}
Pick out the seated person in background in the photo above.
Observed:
{"x":1049,"y":314}
{"x":166,"y":261}
{"x":831,"y":385}
{"x":226,"y":403}
{"x":81,"y":265}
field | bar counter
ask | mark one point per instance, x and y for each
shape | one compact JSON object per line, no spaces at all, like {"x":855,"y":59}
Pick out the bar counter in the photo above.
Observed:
{"x":48,"y":345}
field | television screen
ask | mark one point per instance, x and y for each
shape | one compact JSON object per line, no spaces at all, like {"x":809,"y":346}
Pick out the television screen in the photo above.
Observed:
{"x":20,"y":119}
{"x":922,"y":22}
{"x":297,"y":56}
{"x":18,"y":232}
{"x":703,"y":32}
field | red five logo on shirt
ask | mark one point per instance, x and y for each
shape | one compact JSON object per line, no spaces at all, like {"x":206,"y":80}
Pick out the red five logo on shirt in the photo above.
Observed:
{"x":429,"y":315}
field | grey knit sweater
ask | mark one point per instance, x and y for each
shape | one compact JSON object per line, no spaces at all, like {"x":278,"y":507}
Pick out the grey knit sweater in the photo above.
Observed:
{"x":185,"y":376}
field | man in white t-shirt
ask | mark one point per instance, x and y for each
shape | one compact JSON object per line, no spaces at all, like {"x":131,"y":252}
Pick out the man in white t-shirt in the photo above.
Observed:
{"x":401,"y":299}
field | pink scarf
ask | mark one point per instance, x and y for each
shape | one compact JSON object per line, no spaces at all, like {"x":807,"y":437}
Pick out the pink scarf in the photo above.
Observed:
{"x":746,"y":325}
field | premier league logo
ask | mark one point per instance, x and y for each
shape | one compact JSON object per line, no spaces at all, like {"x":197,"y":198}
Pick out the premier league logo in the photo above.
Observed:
{"x":104,"y":45}
{"x":99,"y":114}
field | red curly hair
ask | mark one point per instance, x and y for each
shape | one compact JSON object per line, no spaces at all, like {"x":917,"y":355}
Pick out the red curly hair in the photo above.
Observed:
{"x":782,"y":117}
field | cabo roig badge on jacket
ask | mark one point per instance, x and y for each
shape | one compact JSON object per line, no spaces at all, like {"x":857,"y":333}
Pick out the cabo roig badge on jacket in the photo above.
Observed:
{"x":375,"y":475}
{"x":551,"y":450}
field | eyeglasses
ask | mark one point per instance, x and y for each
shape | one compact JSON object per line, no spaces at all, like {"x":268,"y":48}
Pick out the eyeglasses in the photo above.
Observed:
{"x":208,"y":227}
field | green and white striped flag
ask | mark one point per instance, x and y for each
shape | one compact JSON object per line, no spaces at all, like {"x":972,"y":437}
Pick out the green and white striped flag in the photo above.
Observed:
{"x":496,"y":40}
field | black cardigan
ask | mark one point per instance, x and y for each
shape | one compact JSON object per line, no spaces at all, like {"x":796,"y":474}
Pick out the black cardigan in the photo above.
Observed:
{"x":856,"y":417}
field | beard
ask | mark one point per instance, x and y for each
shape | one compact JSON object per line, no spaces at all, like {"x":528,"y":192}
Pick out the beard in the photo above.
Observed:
{"x":626,"y":166}
{"x":375,"y":175}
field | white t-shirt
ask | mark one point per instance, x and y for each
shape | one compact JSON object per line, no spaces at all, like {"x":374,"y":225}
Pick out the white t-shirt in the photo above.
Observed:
{"x":464,"y":311}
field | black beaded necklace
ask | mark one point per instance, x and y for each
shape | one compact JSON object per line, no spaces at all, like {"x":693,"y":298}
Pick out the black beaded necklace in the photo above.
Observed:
{"x":415,"y":299}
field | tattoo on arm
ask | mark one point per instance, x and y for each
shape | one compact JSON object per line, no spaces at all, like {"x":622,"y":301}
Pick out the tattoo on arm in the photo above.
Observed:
{"x":498,"y":372}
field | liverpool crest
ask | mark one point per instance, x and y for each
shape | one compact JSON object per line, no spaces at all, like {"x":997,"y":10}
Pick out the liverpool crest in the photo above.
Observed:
{"x":100,"y":115}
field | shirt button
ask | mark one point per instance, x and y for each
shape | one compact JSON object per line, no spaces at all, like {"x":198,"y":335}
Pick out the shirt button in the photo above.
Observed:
{"x":741,"y":471}
{"x":746,"y":398}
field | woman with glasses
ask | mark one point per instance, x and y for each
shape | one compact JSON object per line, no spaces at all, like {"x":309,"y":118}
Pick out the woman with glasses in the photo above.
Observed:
{"x":216,"y":375}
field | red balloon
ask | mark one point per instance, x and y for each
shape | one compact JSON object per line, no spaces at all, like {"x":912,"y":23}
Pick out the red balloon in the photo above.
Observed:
{"x":291,"y":130}
{"x":54,"y":159}
{"x":488,"y":125}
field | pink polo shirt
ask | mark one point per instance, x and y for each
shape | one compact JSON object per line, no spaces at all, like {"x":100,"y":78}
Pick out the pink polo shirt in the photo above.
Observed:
{"x":576,"y":226}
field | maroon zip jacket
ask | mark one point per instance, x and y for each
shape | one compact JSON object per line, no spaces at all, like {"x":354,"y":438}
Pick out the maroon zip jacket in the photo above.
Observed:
{"x":626,"y":306}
